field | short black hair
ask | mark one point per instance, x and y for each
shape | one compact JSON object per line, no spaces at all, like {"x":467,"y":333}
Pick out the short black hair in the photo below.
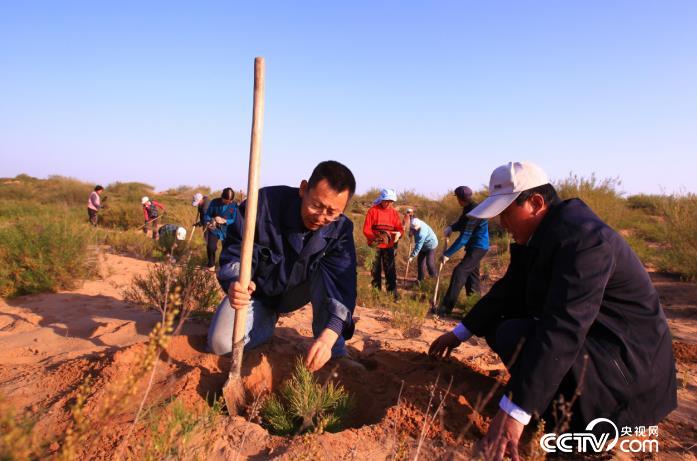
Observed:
{"x":98,"y":187}
{"x":227,"y":194}
{"x":547,"y":191}
{"x":337,"y":175}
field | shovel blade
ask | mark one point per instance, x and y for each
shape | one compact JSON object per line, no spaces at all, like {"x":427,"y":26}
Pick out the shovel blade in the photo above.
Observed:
{"x":233,"y":393}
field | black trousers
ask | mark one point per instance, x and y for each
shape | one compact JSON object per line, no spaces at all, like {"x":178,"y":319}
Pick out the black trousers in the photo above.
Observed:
{"x":505,"y":339}
{"x":426,"y":261}
{"x":211,"y":247}
{"x":466,"y":274}
{"x":384,"y":259}
{"x":92,"y":215}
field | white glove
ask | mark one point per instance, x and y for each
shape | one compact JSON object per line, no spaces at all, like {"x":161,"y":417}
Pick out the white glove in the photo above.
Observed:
{"x":447,"y":231}
{"x":411,"y":258}
{"x":444,"y":259}
{"x":397,"y":235}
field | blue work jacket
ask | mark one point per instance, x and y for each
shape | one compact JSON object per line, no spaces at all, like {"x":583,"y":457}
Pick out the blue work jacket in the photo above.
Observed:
{"x":227,"y":212}
{"x":287,"y":255}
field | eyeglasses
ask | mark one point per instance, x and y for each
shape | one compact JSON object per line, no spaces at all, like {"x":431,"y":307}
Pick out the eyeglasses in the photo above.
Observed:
{"x":319,"y":209}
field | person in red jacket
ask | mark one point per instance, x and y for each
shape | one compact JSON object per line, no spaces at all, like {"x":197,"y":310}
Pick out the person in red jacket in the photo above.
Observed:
{"x":382,"y":229}
{"x":151,"y":215}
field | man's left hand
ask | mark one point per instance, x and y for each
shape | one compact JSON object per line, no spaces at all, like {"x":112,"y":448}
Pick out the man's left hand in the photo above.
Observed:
{"x":397,"y":236}
{"x":444,"y":259}
{"x":321,"y":350}
{"x":502,"y":438}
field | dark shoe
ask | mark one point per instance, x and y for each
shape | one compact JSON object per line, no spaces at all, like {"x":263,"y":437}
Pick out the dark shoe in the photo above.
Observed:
{"x":396,"y":295}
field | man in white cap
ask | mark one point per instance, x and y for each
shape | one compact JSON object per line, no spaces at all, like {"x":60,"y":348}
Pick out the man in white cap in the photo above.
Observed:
{"x":575,"y":312}
{"x":382,"y":229}
{"x":201,"y":202}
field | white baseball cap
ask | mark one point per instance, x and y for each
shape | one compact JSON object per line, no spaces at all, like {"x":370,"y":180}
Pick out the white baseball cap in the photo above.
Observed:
{"x":181,"y":233}
{"x":144,"y":200}
{"x":197,"y":198}
{"x":506,"y":184}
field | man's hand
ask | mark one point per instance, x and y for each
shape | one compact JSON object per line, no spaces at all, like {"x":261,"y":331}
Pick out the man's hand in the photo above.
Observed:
{"x":220,"y":220}
{"x":411,"y":258}
{"x":502,"y":438}
{"x":397,"y":236}
{"x":447,"y":231}
{"x":239,"y":297}
{"x":321,"y":350}
{"x":444,"y":259}
{"x":444,"y":345}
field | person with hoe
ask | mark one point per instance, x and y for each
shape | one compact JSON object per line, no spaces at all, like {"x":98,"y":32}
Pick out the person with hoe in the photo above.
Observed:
{"x":303,"y":252}
{"x":201,"y":202}
{"x":94,"y":204}
{"x":425,"y":245}
{"x":221,"y":213}
{"x":575,"y":317}
{"x":474,"y":236}
{"x":151,"y":214}
{"x":382,"y":229}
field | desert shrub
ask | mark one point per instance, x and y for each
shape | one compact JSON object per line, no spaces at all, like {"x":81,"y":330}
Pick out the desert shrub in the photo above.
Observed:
{"x":131,"y":243}
{"x":44,"y":253}
{"x":130,"y":191}
{"x":305,"y":405}
{"x":55,"y":189}
{"x":196,"y":289}
{"x":170,"y":428}
{"x":681,"y":223}
{"x":17,"y":439}
{"x":653,"y":204}
{"x":601,"y":196}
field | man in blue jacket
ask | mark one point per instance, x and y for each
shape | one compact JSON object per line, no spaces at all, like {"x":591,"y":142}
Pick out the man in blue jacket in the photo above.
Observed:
{"x":474,"y":237}
{"x":575,"y":313}
{"x":303,"y":252}
{"x":221,"y":213}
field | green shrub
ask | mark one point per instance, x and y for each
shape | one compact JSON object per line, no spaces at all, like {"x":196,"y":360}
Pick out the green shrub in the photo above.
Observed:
{"x":195,"y":289}
{"x":304,"y":405}
{"x":681,"y":223}
{"x":44,"y":252}
{"x":601,"y":196}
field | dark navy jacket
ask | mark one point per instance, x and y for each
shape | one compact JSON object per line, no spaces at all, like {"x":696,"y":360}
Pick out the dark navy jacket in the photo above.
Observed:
{"x":474,"y":233}
{"x":592,"y":297}
{"x":287,"y":255}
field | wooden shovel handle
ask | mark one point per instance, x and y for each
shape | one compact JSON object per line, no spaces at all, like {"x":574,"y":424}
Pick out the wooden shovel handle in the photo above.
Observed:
{"x":250,"y":217}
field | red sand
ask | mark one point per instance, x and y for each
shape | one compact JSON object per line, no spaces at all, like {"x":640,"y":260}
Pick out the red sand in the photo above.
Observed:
{"x":50,"y":342}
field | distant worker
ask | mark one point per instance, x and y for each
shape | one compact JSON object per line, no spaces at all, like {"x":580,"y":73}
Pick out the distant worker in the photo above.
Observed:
{"x":382,"y":229}
{"x":151,"y":214}
{"x":220,"y":214}
{"x":94,"y":204}
{"x":474,"y":236}
{"x":169,"y":233}
{"x":202,"y":203}
{"x":425,"y":245}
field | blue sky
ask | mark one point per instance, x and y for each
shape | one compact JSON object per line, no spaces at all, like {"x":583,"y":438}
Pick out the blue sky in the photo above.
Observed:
{"x":411,"y":94}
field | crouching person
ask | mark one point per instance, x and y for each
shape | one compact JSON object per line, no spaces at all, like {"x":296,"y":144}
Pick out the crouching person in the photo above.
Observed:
{"x":303,"y":252}
{"x":575,"y":312}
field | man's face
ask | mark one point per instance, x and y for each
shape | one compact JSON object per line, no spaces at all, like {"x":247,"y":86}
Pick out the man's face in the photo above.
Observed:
{"x":321,"y":205}
{"x":385,"y":204}
{"x":522,"y":220}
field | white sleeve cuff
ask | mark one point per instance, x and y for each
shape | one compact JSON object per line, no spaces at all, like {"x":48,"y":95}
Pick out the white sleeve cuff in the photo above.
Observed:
{"x":462,"y":333}
{"x":514,"y":411}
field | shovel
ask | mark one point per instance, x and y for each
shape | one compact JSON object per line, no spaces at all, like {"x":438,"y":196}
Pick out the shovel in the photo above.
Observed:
{"x":435,"y":292}
{"x":233,"y":390}
{"x":406,"y":272}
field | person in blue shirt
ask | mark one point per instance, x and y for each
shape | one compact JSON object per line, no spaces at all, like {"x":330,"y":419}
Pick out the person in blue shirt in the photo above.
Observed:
{"x":304,"y":252}
{"x":474,"y":237}
{"x":425,"y":246}
{"x":220,"y":214}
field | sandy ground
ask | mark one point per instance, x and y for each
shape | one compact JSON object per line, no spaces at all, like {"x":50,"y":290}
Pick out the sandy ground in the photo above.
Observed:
{"x":49,"y":343}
